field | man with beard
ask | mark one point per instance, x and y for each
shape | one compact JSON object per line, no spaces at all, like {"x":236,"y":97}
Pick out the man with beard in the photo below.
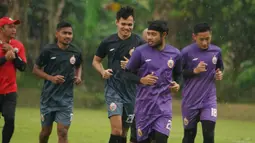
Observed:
{"x":153,"y":110}
{"x":120,"y":88}
{"x":202,"y":66}
{"x":12,"y":57}
{"x":59,"y":64}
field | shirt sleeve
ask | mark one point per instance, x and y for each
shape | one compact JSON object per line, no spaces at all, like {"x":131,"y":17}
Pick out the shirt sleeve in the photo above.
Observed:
{"x":101,"y":50}
{"x":43,"y":58}
{"x":186,"y":71}
{"x":134,"y":62}
{"x":79,"y":60}
{"x":177,"y":71}
{"x":219,"y":64}
{"x":22,"y":53}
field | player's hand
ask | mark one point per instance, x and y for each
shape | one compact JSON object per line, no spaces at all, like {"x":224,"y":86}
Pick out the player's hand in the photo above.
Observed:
{"x":123,"y":64}
{"x":57,"y":79}
{"x":201,"y":67}
{"x":149,"y":79}
{"x":218,"y":74}
{"x":7,"y":47}
{"x":107,"y":73}
{"x":10,"y":55}
{"x":77,"y":80}
{"x":174,"y":87}
{"x":131,"y":51}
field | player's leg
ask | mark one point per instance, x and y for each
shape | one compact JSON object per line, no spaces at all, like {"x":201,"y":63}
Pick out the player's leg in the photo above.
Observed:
{"x":63,"y":119}
{"x":8,"y":110}
{"x":208,"y":120}
{"x":115,"y":115}
{"x":127,"y":119}
{"x":162,"y":127}
{"x":46,"y":129}
{"x":133,"y":135}
{"x":190,"y":120}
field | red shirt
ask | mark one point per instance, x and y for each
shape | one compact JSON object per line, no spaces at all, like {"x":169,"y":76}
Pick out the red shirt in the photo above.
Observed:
{"x":8,"y":82}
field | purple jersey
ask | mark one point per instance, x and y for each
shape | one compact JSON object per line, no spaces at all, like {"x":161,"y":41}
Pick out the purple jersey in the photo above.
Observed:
{"x":153,"y":108}
{"x":199,"y":90}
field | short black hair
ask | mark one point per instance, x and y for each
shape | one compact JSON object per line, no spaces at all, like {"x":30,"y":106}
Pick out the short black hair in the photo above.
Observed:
{"x":202,"y":27}
{"x":63,"y":24}
{"x":158,"y":25}
{"x":125,"y":12}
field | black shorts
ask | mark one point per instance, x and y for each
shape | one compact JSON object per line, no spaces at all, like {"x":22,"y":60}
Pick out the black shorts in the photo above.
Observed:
{"x":8,"y":105}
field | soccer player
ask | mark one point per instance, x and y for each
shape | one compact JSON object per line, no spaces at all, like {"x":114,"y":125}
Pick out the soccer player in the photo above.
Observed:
{"x":153,"y":110}
{"x":59,"y":64}
{"x":202,"y":65}
{"x":133,"y":136}
{"x":120,"y":88}
{"x":12,"y":57}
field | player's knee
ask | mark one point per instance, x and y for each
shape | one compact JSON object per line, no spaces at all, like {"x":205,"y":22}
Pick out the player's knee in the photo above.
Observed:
{"x":45,"y":132}
{"x":117,"y":131}
{"x":62,"y":132}
{"x":208,"y":134}
{"x":9,"y":122}
{"x":124,"y":132}
{"x":189,"y":135}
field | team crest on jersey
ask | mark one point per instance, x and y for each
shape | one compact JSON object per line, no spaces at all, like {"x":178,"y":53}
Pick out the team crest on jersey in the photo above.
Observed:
{"x":72,"y":60}
{"x":113,"y":106}
{"x":185,"y":121}
{"x":214,"y":59}
{"x":139,"y":132}
{"x":170,"y":63}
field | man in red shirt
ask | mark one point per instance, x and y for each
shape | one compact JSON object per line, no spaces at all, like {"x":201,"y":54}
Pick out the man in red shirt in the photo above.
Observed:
{"x":12,"y":57}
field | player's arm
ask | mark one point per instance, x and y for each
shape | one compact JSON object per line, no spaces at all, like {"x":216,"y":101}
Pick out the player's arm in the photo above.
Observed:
{"x":132,"y":67}
{"x":177,"y":71}
{"x":219,"y":68}
{"x":219,"y":64}
{"x":41,"y":62}
{"x":98,"y":59}
{"x":20,"y":61}
{"x":3,"y":60}
{"x":78,"y":73}
{"x":189,"y":72}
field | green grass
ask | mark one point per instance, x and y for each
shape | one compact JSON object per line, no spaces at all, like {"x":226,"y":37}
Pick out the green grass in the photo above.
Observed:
{"x":92,"y":126}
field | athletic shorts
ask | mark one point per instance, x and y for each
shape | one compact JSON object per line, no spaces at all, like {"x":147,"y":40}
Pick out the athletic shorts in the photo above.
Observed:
{"x":115,"y":106}
{"x":192,"y":116}
{"x":61,"y":116}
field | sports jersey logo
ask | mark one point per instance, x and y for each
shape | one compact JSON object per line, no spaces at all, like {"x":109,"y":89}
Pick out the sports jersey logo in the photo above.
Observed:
{"x":72,"y":60}
{"x":185,"y":121}
{"x":214,"y":59}
{"x":170,"y":63}
{"x":139,"y":132}
{"x":113,"y":106}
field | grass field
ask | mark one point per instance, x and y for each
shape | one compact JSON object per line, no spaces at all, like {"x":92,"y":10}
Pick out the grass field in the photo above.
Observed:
{"x":92,"y":126}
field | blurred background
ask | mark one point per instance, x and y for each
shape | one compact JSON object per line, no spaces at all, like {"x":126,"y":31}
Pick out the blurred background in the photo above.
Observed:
{"x":232,"y":24}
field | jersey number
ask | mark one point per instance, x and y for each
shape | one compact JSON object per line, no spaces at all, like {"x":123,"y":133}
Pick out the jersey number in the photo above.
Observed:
{"x":169,"y":125}
{"x":130,"y":118}
{"x":213,"y":112}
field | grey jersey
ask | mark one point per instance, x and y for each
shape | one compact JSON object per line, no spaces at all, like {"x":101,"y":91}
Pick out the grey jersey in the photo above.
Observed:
{"x":56,"y":61}
{"x":116,"y":48}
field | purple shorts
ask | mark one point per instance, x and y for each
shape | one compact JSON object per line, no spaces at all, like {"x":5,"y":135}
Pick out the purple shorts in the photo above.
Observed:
{"x":192,"y":116}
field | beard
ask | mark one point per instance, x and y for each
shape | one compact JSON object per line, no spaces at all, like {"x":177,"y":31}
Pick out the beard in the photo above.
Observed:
{"x":158,"y":44}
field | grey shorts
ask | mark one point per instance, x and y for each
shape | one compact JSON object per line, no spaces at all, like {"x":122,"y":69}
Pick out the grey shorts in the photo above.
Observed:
{"x":63,"y":117}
